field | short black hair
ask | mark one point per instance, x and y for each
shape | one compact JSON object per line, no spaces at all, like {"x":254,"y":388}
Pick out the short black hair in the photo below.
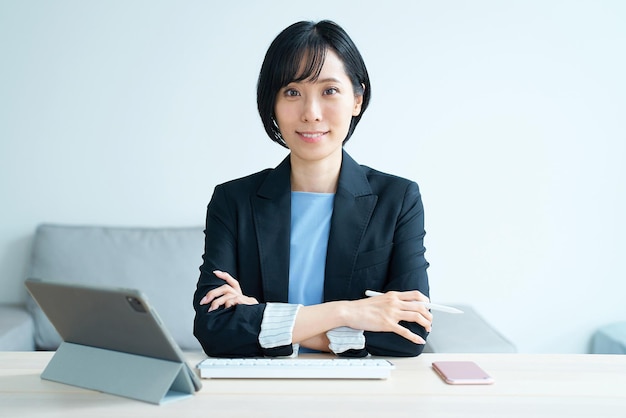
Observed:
{"x":307,"y":42}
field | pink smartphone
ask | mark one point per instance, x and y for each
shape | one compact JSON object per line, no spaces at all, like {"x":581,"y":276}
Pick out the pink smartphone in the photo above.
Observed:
{"x":462,"y":373}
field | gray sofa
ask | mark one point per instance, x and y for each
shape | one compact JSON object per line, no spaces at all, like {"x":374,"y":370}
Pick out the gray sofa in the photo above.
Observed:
{"x":163,"y":263}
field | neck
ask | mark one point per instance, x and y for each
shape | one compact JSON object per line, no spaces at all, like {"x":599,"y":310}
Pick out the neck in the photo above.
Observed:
{"x":315,"y":176}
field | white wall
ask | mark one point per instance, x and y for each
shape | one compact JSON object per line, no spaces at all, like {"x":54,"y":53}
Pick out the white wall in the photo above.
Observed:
{"x":510,"y":115}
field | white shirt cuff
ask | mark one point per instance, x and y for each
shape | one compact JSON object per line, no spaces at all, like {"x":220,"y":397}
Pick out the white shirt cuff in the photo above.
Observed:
{"x":277,"y":324}
{"x":344,"y":338}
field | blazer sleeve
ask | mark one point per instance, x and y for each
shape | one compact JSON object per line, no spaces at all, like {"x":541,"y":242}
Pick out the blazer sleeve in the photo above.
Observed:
{"x":406,"y":271}
{"x":229,"y":332}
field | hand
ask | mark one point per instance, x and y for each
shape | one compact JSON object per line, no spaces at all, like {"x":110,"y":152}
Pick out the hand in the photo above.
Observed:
{"x":383,"y":314}
{"x":227,"y":295}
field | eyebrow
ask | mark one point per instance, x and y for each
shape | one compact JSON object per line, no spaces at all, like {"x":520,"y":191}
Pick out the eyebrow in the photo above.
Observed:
{"x":324,"y":80}
{"x":329,"y":80}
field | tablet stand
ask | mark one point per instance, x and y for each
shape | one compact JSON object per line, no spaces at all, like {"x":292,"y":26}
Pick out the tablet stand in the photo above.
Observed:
{"x":129,"y":375}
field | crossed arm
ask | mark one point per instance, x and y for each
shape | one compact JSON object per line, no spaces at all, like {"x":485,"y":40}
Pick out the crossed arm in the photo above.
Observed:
{"x":378,"y":314}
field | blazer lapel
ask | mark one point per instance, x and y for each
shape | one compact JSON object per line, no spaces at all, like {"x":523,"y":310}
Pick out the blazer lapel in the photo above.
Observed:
{"x":271,"y":208}
{"x":353,"y":208}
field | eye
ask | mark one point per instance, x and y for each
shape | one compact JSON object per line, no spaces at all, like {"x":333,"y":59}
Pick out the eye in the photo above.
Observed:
{"x":330,"y":91}
{"x":291,"y":93}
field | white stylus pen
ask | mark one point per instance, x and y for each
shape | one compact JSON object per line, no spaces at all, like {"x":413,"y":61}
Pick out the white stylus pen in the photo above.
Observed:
{"x":433,"y":306}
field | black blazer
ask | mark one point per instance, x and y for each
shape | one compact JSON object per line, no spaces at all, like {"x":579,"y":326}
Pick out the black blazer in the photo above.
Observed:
{"x":376,"y":242}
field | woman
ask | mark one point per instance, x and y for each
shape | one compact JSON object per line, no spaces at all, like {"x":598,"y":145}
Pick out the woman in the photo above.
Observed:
{"x":290,"y":252}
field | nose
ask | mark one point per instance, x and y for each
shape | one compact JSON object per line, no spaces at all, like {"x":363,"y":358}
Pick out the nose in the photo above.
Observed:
{"x":311,"y":110}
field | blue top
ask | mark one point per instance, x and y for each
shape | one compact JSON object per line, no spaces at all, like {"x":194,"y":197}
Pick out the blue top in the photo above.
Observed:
{"x":310,"y":229}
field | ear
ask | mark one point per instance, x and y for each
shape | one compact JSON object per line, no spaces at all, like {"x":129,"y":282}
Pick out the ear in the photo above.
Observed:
{"x":358,"y":101}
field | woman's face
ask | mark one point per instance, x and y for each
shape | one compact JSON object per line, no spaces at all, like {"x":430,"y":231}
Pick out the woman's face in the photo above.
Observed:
{"x":314,"y":115}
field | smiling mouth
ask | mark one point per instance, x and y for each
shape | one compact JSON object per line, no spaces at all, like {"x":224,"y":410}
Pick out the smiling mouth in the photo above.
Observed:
{"x":312,"y":136}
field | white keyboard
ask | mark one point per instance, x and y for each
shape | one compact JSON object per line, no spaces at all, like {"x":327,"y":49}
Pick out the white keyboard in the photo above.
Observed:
{"x":295,"y":368}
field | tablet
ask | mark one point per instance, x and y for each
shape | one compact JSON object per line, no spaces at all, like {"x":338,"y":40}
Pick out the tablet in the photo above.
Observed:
{"x":116,"y":319}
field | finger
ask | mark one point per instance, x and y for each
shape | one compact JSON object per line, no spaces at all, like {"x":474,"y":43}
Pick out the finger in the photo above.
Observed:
{"x":222,"y":301}
{"x":207,"y":298}
{"x":216,"y":293}
{"x":235,"y":300}
{"x":413,"y":295}
{"x":406,"y":333}
{"x":412,"y":306}
{"x":418,"y":318}
{"x":418,"y":308}
{"x":228,"y":279}
{"x":427,"y":324}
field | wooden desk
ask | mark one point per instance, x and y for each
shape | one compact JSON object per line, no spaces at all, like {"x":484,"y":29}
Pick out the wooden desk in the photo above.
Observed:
{"x":526,"y":386}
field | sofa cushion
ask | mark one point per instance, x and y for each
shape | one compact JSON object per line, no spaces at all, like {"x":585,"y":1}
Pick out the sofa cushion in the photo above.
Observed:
{"x":465,"y":333}
{"x":161,"y":262}
{"x":610,"y":339}
{"x":16,"y":329}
